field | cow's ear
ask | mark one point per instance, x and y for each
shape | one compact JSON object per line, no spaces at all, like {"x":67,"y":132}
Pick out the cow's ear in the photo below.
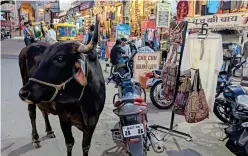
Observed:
{"x":81,"y":70}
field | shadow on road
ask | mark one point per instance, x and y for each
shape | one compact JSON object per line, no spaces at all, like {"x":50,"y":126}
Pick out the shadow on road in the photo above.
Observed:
{"x":180,"y":152}
{"x":25,"y":148}
{"x":114,"y":151}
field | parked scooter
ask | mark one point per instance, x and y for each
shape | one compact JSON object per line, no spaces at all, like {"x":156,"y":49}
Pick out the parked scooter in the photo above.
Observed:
{"x":132,"y":129}
{"x":5,"y":34}
{"x":224,"y":106}
{"x":156,"y":96}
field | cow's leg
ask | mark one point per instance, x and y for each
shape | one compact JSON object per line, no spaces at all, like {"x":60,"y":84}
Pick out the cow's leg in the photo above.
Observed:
{"x":69,"y":140}
{"x":49,"y":131}
{"x":32,"y":115}
{"x":88,"y":130}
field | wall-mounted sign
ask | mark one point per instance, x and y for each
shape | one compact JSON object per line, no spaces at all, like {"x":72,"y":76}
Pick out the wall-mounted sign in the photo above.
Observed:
{"x":220,"y":21}
{"x":86,"y":5}
{"x":75,"y":3}
{"x":163,"y":15}
{"x":7,"y":7}
{"x":122,"y":30}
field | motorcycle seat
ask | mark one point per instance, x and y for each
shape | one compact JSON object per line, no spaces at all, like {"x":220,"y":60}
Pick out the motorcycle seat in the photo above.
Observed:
{"x":136,"y":99}
{"x":242,"y":100}
{"x":158,"y":72}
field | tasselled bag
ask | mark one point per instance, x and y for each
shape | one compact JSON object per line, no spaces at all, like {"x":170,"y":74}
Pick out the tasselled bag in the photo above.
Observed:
{"x":196,"y":108}
{"x":182,"y":96}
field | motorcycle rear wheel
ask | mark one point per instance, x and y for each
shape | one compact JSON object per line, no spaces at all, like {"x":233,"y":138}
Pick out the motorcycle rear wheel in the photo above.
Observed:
{"x":157,"y":101}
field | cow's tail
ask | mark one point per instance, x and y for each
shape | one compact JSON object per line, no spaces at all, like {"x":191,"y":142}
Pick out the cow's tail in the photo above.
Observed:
{"x":23,"y":65}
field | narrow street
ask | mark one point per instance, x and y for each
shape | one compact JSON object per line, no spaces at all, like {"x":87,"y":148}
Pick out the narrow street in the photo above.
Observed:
{"x":16,"y":126}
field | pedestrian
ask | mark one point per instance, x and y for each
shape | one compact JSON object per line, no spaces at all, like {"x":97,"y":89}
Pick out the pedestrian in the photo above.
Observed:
{"x":27,"y":34}
{"x":31,"y":28}
{"x":116,"y":53}
{"x":50,"y":35}
{"x":89,"y":35}
{"x":125,"y":47}
{"x":103,"y":45}
{"x":146,"y":48}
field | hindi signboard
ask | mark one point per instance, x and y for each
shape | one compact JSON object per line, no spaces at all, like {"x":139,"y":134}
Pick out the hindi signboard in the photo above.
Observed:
{"x":220,"y":21}
{"x":163,"y":15}
{"x":144,"y":62}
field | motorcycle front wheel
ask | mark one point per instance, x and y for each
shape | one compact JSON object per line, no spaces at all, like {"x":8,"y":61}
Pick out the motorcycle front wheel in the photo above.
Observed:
{"x":222,"y":111}
{"x":157,"y":98}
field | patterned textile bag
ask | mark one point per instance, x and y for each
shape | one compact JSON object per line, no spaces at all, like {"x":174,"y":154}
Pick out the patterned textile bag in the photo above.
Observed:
{"x":196,"y":108}
{"x":182,"y":96}
{"x":169,"y":75}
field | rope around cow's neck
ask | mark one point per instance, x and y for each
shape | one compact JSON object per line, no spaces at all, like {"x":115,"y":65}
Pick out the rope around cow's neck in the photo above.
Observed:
{"x":61,"y":86}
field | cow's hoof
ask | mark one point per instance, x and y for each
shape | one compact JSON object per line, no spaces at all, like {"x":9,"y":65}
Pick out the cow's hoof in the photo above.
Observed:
{"x":52,"y":135}
{"x":36,"y":144}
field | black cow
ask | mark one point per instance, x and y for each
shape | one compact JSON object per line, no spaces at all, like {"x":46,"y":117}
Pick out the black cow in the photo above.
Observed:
{"x":75,"y":85}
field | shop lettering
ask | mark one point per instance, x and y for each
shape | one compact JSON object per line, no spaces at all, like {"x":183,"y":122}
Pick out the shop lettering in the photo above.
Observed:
{"x":147,"y":58}
{"x":146,"y":66}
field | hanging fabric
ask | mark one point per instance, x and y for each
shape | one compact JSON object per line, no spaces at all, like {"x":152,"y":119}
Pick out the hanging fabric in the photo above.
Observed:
{"x":169,"y":74}
{"x":213,"y":6}
{"x":182,"y":9}
{"x":208,"y":59}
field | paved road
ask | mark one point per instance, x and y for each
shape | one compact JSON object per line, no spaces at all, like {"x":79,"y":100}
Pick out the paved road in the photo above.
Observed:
{"x":16,"y":127}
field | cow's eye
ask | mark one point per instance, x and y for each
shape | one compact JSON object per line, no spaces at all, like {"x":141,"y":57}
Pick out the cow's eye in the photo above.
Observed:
{"x":59,"y":59}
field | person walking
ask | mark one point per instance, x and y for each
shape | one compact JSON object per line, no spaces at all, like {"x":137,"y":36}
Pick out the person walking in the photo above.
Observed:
{"x":103,"y":43}
{"x":50,"y":35}
{"x":125,"y":47}
{"x":28,"y":35}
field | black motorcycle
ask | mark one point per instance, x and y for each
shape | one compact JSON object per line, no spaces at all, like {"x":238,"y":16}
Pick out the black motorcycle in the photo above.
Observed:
{"x":237,"y":133}
{"x":224,"y":106}
{"x":132,"y":128}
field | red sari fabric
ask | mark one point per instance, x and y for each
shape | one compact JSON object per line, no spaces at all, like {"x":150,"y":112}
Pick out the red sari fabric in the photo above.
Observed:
{"x":182,"y":10}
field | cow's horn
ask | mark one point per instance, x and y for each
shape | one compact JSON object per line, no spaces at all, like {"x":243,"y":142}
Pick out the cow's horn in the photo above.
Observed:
{"x":86,"y":48}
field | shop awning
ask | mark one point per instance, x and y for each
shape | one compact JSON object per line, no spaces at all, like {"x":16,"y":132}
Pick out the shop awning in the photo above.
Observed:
{"x":232,"y":21}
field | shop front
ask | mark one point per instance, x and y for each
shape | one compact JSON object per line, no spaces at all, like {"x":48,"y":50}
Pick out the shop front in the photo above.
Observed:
{"x":85,"y":12}
{"x":235,"y":23}
{"x":193,"y":8}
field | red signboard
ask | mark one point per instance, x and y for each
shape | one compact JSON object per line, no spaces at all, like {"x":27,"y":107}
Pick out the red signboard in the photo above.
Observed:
{"x":147,"y":25}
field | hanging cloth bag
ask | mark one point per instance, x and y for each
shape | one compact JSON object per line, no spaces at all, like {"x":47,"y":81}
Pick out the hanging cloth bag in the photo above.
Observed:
{"x":169,"y":75}
{"x":182,"y":96}
{"x":197,"y":107}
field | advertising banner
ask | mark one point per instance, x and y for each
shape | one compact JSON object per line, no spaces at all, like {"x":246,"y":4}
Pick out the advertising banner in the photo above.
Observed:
{"x":220,"y":21}
{"x":122,"y":30}
{"x":163,"y":15}
{"x":144,"y":62}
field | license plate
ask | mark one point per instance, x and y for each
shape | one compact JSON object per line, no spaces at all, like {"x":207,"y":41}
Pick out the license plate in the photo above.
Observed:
{"x":133,"y":130}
